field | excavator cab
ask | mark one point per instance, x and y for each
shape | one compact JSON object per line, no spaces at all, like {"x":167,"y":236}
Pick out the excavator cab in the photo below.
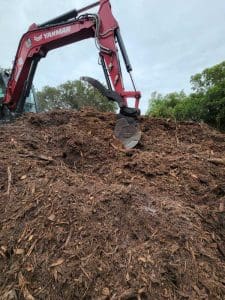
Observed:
{"x":31,"y":103}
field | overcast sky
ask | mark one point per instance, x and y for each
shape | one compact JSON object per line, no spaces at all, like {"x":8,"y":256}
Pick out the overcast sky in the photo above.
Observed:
{"x":167,"y":41}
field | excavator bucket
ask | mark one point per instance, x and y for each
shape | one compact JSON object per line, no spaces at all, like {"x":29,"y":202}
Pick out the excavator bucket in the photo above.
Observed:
{"x":127,"y":133}
{"x":126,"y":128}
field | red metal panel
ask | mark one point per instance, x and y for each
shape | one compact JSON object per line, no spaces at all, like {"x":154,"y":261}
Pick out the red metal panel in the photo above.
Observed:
{"x":38,"y":41}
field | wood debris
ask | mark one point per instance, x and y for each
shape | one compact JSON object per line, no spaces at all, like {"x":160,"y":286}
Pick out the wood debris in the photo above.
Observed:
{"x":81,"y":218}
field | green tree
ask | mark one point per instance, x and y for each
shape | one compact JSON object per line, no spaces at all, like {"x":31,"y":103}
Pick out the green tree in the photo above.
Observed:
{"x":73,"y":94}
{"x":49,"y":98}
{"x":206,"y":102}
{"x":189,"y":108}
{"x":164,"y":106}
{"x":210,"y":86}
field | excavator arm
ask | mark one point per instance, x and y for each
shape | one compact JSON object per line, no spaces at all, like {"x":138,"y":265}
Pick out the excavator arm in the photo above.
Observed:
{"x":68,"y":28}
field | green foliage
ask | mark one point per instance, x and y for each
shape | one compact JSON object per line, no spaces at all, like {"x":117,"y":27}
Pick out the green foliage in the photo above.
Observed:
{"x":73,"y":94}
{"x":206,"y":103}
{"x":209,"y":78}
{"x":165,"y":106}
{"x":210,"y":84}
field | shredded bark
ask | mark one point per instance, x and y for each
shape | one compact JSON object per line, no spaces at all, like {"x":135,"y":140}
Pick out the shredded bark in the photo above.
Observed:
{"x":83,"y":219}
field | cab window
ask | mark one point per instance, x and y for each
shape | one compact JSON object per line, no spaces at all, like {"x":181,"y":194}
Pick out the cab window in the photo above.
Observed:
{"x":1,"y":93}
{"x":2,"y":89}
{"x":30,"y":103}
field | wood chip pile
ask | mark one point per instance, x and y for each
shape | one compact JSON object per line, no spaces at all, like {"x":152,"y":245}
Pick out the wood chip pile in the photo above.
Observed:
{"x":80,"y":218}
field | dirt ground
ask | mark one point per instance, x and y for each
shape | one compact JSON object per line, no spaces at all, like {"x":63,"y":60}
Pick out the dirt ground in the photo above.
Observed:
{"x":83,"y":219}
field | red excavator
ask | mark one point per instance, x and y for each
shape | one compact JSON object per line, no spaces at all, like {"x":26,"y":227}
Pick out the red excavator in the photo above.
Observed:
{"x":71,"y":27}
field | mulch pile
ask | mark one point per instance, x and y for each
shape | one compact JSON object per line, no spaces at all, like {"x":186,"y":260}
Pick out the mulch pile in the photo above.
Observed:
{"x":80,"y":218}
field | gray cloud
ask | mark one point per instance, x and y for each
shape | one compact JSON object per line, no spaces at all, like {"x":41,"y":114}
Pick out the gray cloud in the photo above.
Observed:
{"x":167,"y":41}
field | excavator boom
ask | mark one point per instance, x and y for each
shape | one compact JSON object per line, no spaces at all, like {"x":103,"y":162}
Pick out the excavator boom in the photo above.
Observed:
{"x":68,"y":28}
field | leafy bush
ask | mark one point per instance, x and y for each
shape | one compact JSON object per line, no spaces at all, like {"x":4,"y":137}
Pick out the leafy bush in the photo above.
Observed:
{"x":73,"y":94}
{"x":206,"y":103}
